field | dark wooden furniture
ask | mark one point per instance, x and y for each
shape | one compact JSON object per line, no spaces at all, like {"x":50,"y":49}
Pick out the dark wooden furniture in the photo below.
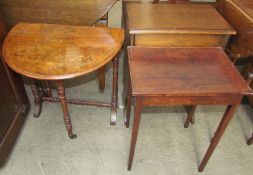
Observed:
{"x":78,"y":12}
{"x":58,"y":52}
{"x":239,"y":13}
{"x":14,"y":105}
{"x":173,"y":25}
{"x":183,"y":76}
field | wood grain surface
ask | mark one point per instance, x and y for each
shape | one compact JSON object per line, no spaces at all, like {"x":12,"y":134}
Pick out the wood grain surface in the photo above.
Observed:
{"x":176,"y":18}
{"x":49,"y":51}
{"x":183,"y":71}
{"x":72,"y":12}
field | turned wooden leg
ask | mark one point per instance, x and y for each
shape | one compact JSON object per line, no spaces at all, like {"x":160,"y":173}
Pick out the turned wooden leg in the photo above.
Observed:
{"x":37,"y":98}
{"x":61,"y":92}
{"x":218,"y":134}
{"x":250,"y":141}
{"x":102,"y":79}
{"x":190,"y":115}
{"x":137,"y":118}
{"x":114,"y":91}
{"x":48,"y":89}
{"x":128,"y":106}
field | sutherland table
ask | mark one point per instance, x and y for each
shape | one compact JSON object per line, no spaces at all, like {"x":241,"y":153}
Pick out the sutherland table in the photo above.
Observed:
{"x":183,"y":76}
{"x":58,"y":52}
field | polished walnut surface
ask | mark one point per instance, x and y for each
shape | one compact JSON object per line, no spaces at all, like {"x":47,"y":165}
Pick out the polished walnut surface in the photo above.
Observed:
{"x":183,"y":72}
{"x":176,"y":18}
{"x":74,"y":12}
{"x":48,"y":51}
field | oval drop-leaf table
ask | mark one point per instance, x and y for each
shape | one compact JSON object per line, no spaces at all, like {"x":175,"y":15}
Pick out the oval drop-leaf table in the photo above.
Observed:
{"x":58,"y":52}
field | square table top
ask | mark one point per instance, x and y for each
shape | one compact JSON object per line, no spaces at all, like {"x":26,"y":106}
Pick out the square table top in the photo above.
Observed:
{"x":175,"y":18}
{"x":183,"y":72}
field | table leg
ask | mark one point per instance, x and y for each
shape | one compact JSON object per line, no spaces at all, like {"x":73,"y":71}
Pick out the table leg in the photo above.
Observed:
{"x":37,"y":98}
{"x":190,"y":115}
{"x":61,"y":92}
{"x":128,"y":106}
{"x":114,"y":91}
{"x":125,"y":77}
{"x":137,"y":118}
{"x":48,"y":89}
{"x":101,"y":79}
{"x":250,"y":141}
{"x":218,"y":134}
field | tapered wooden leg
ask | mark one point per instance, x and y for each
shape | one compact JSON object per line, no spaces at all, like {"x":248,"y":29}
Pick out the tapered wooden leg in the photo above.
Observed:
{"x":137,"y":118}
{"x":61,"y":93}
{"x":102,"y":79}
{"x":128,"y":106}
{"x":48,"y":89}
{"x":218,"y":134}
{"x":114,"y":91}
{"x":125,"y":77}
{"x":250,"y":141}
{"x":190,"y":115}
{"x":37,"y":98}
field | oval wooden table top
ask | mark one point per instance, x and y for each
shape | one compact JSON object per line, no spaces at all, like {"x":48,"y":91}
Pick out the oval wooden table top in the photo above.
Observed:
{"x":54,"y":52}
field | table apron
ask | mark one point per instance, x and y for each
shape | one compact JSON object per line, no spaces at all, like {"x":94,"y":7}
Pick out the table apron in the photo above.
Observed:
{"x":190,"y":100}
{"x":181,"y":40}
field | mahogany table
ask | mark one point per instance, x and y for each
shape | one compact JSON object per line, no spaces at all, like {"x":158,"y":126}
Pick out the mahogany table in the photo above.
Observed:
{"x":183,"y":76}
{"x":58,"y":52}
{"x":172,"y":25}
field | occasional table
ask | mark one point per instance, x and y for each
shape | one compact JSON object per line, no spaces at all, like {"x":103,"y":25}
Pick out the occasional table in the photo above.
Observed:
{"x":173,"y":25}
{"x":57,"y":52}
{"x":183,"y":76}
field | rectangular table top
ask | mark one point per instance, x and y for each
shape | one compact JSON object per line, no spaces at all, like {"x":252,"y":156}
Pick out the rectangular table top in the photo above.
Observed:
{"x":175,"y":18}
{"x":183,"y":72}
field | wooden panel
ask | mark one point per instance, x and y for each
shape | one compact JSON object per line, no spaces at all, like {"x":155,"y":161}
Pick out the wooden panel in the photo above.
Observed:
{"x":185,"y":100}
{"x":14,"y":106}
{"x":75,"y":12}
{"x":242,"y":43}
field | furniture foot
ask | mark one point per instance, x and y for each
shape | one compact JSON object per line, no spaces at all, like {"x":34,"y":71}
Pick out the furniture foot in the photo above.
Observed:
{"x":101,"y":79}
{"x":137,"y":118}
{"x":37,"y":98}
{"x":114,"y":91}
{"x":250,"y":141}
{"x":190,"y":115}
{"x":218,"y":134}
{"x":61,"y":92}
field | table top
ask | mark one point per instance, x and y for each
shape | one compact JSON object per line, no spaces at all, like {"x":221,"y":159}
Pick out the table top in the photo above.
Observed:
{"x":69,"y":12}
{"x":176,"y":18}
{"x":50,"y":51}
{"x":183,"y":72}
{"x":244,"y":6}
